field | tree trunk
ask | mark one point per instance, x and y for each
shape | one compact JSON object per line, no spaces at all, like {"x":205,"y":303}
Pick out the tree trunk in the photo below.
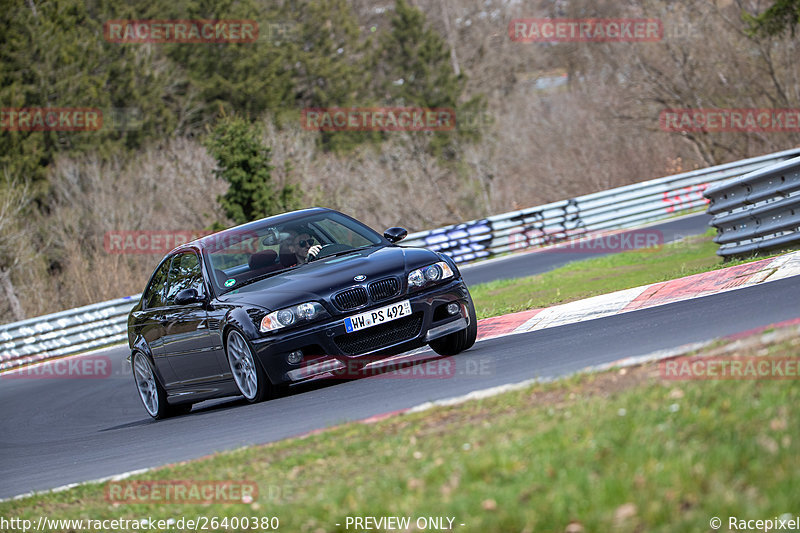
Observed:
{"x":11,"y":295}
{"x":450,"y":38}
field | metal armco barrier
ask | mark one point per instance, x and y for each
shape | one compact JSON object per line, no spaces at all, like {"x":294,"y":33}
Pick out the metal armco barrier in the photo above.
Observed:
{"x":103,"y":324}
{"x":623,"y":207}
{"x":65,"y":333}
{"x":758,"y":211}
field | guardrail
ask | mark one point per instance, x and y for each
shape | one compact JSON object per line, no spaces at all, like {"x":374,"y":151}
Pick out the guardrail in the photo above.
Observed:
{"x":104,"y":323}
{"x":623,"y":207}
{"x":758,"y":211}
{"x":65,"y":333}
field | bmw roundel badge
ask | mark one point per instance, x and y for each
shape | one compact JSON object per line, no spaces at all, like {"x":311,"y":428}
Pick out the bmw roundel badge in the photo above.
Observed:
{"x":360,"y":277}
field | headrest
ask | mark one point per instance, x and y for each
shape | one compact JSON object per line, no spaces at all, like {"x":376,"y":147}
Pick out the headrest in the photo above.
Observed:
{"x":262,"y":259}
{"x":288,"y":259}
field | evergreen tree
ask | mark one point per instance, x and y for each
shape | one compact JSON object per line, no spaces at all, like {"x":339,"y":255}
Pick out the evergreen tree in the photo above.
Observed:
{"x":417,"y":60}
{"x":417,"y":72}
{"x":54,"y":55}
{"x":244,"y":163}
{"x":331,"y":67}
{"x":782,"y":15}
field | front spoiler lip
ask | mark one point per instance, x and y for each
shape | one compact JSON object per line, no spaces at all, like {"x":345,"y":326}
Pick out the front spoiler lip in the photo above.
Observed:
{"x":310,"y":371}
{"x":446,"y":329}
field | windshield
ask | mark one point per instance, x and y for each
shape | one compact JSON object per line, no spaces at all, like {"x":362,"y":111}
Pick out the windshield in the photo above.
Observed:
{"x":241,"y":255}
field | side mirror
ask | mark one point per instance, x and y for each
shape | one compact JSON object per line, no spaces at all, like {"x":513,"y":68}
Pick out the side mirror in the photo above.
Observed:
{"x":188,"y":296}
{"x":395,"y":234}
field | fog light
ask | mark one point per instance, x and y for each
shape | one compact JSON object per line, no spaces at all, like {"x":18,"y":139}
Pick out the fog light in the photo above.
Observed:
{"x":295,"y":357}
{"x":453,"y":308}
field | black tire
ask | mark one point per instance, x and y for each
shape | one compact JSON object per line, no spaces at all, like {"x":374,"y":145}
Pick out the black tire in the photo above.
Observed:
{"x":460,"y":340}
{"x":250,"y":378}
{"x":152,"y":394}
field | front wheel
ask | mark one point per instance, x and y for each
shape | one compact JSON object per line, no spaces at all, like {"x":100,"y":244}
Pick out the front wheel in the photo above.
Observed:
{"x":460,"y":340}
{"x":250,"y":378}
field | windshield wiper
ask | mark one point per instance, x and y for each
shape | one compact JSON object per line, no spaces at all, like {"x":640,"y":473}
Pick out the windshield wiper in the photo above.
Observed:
{"x":343,"y":252}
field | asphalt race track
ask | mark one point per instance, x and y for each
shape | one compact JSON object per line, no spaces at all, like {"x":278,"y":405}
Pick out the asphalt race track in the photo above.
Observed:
{"x":59,"y":431}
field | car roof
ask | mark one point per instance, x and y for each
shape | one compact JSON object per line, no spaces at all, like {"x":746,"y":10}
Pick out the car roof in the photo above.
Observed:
{"x":283,"y":218}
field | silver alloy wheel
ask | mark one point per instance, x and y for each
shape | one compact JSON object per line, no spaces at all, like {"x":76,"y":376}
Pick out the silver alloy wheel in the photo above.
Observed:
{"x":146,"y":383}
{"x":243,"y":367}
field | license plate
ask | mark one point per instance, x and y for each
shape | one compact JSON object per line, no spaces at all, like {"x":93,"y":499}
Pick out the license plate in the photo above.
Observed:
{"x":377,"y":316}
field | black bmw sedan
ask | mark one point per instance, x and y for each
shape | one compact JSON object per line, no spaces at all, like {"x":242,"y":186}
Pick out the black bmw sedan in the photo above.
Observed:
{"x":287,"y":299}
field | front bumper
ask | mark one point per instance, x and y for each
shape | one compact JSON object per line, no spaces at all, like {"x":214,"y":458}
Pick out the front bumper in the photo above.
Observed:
{"x":327,"y":347}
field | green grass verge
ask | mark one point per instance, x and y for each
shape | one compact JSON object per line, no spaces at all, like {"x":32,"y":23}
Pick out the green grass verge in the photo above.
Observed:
{"x":615,"y":451}
{"x":601,"y":275}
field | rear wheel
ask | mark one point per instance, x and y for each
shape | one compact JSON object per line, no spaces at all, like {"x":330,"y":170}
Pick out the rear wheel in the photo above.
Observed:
{"x":250,"y":378}
{"x":152,"y":394}
{"x":460,"y":340}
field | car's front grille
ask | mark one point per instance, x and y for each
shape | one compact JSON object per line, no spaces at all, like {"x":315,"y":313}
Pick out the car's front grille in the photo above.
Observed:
{"x":351,"y":298}
{"x":380,"y":336}
{"x":383,"y":288}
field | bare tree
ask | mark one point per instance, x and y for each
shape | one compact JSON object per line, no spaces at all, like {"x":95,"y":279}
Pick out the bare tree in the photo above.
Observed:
{"x":14,"y":238}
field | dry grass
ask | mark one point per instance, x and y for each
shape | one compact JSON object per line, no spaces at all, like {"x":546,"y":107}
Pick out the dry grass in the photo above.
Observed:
{"x":170,"y":187}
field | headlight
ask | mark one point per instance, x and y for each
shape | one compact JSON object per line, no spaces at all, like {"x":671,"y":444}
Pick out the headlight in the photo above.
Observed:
{"x":291,"y":316}
{"x":429,"y":274}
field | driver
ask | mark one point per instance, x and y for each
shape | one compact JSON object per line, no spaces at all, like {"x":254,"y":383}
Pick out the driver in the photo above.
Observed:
{"x":299,"y":248}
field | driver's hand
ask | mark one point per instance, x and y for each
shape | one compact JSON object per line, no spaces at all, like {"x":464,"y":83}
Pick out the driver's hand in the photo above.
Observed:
{"x":312,"y":252}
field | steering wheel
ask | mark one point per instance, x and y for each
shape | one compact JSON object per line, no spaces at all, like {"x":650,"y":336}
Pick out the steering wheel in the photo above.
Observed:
{"x":330,"y":249}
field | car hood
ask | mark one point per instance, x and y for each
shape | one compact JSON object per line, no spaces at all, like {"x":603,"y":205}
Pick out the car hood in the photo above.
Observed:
{"x":320,"y":279}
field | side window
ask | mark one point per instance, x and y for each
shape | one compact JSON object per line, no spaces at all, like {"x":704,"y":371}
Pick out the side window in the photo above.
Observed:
{"x":155,"y":292}
{"x":184,"y":274}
